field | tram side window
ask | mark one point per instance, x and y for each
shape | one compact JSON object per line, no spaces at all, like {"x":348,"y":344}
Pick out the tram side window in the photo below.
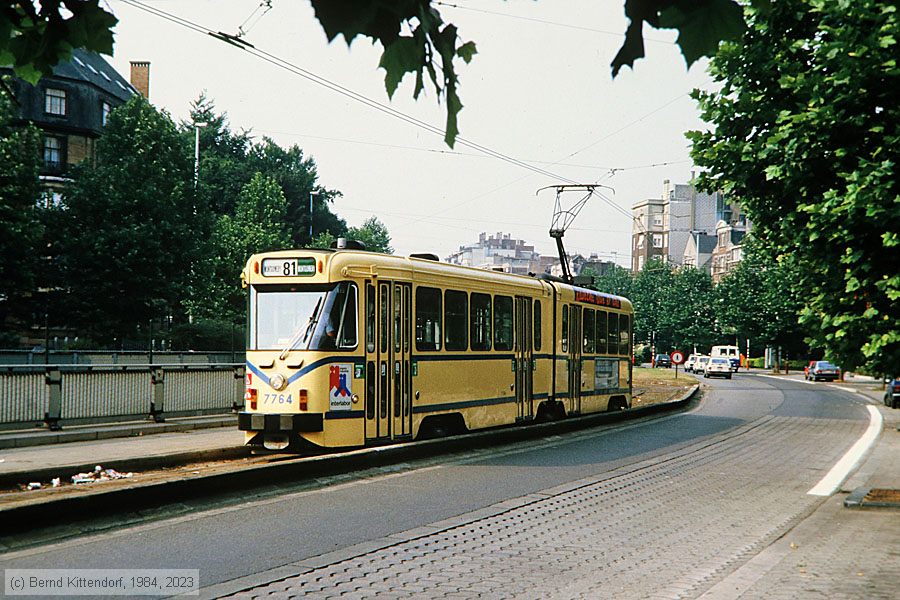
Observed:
{"x":537,"y":324}
{"x":624,"y":334}
{"x":503,"y":323}
{"x":613,"y":333}
{"x":601,"y":332}
{"x":428,"y":318}
{"x":370,"y":318}
{"x":565,"y":329}
{"x":383,"y":323}
{"x":480,"y":322}
{"x":588,"y":331}
{"x":456,"y":320}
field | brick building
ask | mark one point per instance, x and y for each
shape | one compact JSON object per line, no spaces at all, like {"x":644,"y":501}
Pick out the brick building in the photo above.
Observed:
{"x":70,"y":107}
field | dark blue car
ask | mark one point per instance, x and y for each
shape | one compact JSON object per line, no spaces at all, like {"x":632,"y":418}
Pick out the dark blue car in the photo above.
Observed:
{"x":892,"y":393}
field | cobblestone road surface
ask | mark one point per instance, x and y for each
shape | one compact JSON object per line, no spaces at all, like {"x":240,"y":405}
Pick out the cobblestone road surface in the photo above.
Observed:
{"x":671,"y":527}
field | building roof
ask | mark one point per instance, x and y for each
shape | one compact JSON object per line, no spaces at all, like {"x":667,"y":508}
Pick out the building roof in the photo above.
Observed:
{"x":737,"y":236}
{"x":707,"y":243}
{"x":92,"y":68}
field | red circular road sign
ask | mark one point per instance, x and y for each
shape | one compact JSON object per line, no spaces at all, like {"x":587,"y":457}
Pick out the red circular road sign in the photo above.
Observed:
{"x":677,"y":357}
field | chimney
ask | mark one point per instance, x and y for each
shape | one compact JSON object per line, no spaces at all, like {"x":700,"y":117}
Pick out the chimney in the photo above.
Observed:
{"x":140,"y":77}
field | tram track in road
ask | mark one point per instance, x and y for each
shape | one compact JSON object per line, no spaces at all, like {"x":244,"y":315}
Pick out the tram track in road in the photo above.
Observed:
{"x":32,"y":520}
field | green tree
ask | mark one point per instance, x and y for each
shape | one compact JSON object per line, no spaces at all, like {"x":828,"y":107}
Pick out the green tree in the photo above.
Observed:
{"x":760,"y":302}
{"x":805,"y":137}
{"x":689,"y":310}
{"x":20,"y":223}
{"x":415,"y":38}
{"x":130,"y":230}
{"x":373,"y":233}
{"x":258,"y":225}
{"x":616,"y":280}
{"x":651,"y":303}
{"x":229,"y":160}
{"x":298,"y":177}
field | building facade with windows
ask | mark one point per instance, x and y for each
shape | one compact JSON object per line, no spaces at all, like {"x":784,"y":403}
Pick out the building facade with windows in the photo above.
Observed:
{"x":729,"y":248}
{"x":70,"y":107}
{"x":500,"y":253}
{"x":649,"y":236}
{"x":681,"y":226}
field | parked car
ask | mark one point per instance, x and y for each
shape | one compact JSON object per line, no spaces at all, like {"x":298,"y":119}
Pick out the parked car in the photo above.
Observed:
{"x":892,"y":393}
{"x":689,"y":363}
{"x":718,"y":367}
{"x":822,"y":369}
{"x":700,"y":364}
{"x":806,"y":369}
{"x":662,"y":360}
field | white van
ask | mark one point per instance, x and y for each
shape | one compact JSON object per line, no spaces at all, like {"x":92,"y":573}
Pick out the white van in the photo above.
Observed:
{"x":732,"y":353}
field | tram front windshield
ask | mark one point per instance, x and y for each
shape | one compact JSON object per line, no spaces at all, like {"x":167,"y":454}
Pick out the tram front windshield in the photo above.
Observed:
{"x":321,"y":317}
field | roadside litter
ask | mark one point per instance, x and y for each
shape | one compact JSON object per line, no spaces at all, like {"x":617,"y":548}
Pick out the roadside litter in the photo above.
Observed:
{"x":99,"y":474}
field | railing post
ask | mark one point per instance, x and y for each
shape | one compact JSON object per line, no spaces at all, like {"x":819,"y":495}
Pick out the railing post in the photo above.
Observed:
{"x":240,"y":373}
{"x":158,"y":404}
{"x":53,"y":378}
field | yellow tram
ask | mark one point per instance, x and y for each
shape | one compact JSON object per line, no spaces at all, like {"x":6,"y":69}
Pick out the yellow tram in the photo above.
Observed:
{"x":353,"y":348}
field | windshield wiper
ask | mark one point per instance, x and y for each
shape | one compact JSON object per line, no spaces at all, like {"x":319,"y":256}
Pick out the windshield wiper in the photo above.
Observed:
{"x":313,"y":318}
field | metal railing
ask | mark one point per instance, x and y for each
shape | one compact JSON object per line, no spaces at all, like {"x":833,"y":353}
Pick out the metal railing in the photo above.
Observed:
{"x":124,"y":357}
{"x":74,"y":394}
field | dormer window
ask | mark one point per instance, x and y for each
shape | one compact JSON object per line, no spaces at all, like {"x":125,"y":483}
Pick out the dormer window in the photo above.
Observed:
{"x":55,"y":102}
{"x":105,"y":109}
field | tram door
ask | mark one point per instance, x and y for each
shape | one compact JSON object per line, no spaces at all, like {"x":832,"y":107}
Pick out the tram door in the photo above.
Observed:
{"x":524,"y":359}
{"x":402,"y":371}
{"x":387,"y":360}
{"x":575,"y":347}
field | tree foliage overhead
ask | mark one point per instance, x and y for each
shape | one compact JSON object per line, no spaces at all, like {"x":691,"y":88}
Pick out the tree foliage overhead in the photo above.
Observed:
{"x":806,"y":139}
{"x":35,"y":36}
{"x":413,"y":34}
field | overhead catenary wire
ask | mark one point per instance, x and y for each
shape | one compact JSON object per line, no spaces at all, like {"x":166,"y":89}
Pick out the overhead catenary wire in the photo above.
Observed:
{"x":246,"y":46}
{"x":335,"y":87}
{"x":617,"y":34}
{"x":242,"y":44}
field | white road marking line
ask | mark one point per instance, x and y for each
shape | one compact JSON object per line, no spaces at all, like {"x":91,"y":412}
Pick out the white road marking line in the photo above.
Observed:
{"x":846,"y":389}
{"x":784,"y":378}
{"x":839,"y":472}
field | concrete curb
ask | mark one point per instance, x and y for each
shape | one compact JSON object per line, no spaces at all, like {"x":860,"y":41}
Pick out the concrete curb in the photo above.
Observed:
{"x":95,"y":500}
{"x":857,"y":499}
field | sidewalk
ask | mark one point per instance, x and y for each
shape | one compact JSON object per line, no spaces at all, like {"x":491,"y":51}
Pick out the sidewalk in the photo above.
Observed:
{"x":23,"y":465}
{"x":20,"y":438}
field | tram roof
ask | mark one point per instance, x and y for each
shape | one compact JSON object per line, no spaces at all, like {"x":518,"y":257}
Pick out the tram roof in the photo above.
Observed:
{"x":339,"y":262}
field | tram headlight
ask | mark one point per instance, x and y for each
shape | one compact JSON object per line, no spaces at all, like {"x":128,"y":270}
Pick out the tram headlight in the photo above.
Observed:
{"x":278,"y":382}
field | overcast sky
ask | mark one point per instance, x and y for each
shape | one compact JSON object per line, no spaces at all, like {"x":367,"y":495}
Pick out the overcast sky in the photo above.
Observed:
{"x":539,"y":90}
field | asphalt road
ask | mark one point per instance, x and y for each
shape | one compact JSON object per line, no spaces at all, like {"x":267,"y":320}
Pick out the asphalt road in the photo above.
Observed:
{"x":685,"y":497}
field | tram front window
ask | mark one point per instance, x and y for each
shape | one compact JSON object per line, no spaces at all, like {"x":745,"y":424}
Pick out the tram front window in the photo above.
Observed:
{"x":303,"y":317}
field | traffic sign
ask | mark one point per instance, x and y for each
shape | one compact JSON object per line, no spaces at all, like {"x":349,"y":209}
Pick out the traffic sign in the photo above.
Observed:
{"x":677,"y":357}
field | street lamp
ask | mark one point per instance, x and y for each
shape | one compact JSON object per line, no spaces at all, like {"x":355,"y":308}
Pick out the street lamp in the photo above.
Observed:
{"x":197,"y":126}
{"x":311,"y":194}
